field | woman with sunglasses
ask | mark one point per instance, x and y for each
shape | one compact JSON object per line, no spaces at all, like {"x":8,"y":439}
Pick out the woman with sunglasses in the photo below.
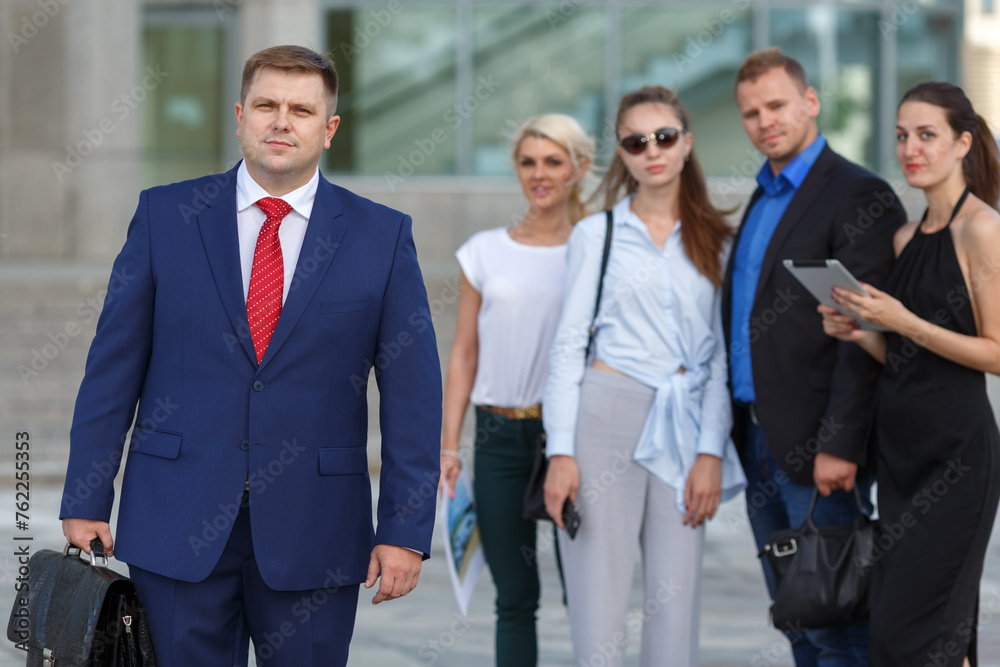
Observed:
{"x":638,"y":436}
{"x":511,"y":292}
{"x":939,"y":446}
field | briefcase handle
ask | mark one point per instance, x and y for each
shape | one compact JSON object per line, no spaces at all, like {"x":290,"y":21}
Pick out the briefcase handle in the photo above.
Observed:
{"x":815,"y":497}
{"x":96,"y":551}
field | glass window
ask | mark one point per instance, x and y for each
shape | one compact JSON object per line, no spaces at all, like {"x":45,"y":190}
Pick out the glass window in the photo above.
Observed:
{"x":697,"y":54}
{"x":529,"y":62}
{"x":397,"y":87}
{"x":183,"y":116}
{"x":925,"y":50}
{"x":840,"y":51}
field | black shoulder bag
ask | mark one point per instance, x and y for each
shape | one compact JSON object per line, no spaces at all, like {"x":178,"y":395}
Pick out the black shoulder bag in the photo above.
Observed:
{"x":534,"y":493}
{"x":821,"y":574}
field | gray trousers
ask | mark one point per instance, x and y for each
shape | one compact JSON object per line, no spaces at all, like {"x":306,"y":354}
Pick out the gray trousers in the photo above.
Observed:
{"x":623,"y":506}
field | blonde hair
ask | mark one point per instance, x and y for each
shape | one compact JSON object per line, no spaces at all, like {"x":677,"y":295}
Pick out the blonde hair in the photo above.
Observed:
{"x":567,"y":133}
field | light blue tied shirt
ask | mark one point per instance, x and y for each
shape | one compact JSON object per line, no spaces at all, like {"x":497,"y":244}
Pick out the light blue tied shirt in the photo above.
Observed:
{"x":657,"y":314}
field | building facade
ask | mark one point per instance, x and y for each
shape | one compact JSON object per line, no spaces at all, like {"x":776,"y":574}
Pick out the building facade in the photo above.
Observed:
{"x":100,"y":98}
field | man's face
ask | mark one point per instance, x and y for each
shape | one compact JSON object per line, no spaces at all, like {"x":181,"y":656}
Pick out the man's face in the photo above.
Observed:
{"x":283,"y":127}
{"x":779,"y":118}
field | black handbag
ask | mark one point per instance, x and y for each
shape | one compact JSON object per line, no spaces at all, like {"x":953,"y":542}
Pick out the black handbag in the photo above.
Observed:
{"x":822,"y":575}
{"x":534,"y":492}
{"x":79,"y":614}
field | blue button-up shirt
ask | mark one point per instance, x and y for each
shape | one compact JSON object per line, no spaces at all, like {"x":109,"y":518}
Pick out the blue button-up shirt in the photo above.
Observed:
{"x":658,"y":313}
{"x":763,"y":219}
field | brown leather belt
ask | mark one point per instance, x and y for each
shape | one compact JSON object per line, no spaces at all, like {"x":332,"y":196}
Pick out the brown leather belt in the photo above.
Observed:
{"x":530,"y":412}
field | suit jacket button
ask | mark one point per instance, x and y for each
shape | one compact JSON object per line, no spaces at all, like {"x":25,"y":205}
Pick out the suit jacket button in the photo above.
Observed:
{"x":245,"y":445}
{"x":258,"y":386}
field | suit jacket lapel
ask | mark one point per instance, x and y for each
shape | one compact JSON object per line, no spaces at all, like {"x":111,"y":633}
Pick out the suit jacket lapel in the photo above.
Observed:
{"x":323,"y":236}
{"x":812,"y":186}
{"x":217,"y":224}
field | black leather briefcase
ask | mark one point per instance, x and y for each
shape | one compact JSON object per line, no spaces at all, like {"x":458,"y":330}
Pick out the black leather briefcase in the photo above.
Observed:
{"x":78,"y":613}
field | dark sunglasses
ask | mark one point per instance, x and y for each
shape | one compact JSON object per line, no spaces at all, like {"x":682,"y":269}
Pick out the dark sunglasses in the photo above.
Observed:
{"x":665,"y":137}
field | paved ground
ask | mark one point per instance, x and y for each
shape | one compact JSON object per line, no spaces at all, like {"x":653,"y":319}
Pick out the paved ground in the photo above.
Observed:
{"x":425,"y":628}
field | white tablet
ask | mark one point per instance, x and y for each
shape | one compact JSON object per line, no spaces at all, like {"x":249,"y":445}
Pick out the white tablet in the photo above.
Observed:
{"x":820,"y":276}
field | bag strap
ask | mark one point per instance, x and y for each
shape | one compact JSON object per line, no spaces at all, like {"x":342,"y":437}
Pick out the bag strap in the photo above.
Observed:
{"x":600,"y":281}
{"x":812,"y":504}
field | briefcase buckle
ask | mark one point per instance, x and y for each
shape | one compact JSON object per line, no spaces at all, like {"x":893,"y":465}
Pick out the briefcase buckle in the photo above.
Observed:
{"x":788,"y":548}
{"x":47,"y":657}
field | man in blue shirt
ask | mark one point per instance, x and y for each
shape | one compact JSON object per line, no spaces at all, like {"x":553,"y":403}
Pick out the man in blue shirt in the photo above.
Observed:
{"x":803,"y":401}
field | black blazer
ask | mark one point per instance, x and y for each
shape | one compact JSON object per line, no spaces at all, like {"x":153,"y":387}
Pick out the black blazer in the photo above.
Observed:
{"x":815,"y":393}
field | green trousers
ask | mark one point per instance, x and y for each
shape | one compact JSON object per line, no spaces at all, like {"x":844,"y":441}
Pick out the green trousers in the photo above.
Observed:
{"x":504,"y":455}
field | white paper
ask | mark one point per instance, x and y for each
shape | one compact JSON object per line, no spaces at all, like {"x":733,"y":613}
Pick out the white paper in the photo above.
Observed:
{"x":462,"y":546}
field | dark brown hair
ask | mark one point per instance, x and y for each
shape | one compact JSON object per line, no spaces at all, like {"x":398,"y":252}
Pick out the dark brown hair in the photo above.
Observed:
{"x":291,"y":58}
{"x":981,"y":165}
{"x":759,"y":63}
{"x":705,"y":230}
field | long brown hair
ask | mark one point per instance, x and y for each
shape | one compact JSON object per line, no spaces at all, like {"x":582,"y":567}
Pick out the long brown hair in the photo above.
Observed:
{"x":705,"y":230}
{"x":981,"y":165}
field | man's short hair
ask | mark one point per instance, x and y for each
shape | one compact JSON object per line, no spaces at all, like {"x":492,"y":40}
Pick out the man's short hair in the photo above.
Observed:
{"x":292,"y":59}
{"x":759,"y":63}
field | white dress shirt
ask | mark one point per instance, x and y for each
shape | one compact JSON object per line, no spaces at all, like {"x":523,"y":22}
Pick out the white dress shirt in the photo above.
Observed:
{"x":291,"y":233}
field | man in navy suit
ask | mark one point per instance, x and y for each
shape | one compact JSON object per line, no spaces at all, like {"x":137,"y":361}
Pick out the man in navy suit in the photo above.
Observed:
{"x":803,"y":401}
{"x":249,"y":308}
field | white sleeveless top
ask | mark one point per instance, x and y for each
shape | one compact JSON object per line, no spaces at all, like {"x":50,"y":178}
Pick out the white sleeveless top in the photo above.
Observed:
{"x":522,"y":293}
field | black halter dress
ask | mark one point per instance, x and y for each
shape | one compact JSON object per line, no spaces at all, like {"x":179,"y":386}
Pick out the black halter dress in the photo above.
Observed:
{"x":938,"y":473}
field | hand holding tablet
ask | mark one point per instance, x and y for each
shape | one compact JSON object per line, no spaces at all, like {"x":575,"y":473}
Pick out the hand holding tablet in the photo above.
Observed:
{"x":820,"y":276}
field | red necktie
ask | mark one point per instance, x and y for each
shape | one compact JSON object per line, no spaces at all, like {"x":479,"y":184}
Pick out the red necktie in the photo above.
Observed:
{"x":267,"y":277}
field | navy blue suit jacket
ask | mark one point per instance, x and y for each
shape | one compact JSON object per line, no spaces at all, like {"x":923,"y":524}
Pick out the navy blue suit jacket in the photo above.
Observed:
{"x":173,"y":350}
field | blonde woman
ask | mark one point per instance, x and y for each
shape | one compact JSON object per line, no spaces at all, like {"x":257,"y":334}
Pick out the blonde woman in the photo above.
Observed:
{"x":511,"y":295}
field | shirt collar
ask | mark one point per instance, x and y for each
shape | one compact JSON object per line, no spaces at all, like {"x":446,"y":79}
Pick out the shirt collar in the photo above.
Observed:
{"x":624,"y":215}
{"x":794,"y":172}
{"x":248,"y":192}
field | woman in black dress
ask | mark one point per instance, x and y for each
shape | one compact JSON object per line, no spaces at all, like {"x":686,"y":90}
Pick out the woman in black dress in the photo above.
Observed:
{"x":939,"y":448}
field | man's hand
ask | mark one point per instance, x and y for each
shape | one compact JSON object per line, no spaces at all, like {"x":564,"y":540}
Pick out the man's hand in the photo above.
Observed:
{"x":80,"y":532}
{"x":399,"y":569}
{"x":562,"y":479}
{"x":831,"y":473}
